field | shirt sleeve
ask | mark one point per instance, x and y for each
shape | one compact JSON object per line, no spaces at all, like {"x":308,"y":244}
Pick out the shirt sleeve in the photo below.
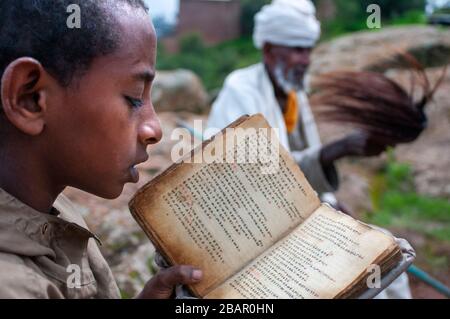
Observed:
{"x":18,"y":281}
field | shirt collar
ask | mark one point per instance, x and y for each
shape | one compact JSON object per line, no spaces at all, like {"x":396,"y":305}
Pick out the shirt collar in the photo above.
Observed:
{"x":25,"y":231}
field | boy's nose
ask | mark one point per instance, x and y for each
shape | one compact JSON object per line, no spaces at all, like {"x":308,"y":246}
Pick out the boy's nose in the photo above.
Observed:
{"x":150,"y":132}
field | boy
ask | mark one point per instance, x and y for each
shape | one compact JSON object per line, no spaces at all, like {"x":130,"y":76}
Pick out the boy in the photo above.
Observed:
{"x":75,"y":111}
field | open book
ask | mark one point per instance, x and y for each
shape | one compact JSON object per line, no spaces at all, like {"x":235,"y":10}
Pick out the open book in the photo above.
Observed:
{"x":257,"y":232}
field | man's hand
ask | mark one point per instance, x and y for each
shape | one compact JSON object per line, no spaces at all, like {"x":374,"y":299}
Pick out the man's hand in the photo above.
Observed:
{"x":359,"y":143}
{"x":363,"y":144}
{"x":162,"y":285}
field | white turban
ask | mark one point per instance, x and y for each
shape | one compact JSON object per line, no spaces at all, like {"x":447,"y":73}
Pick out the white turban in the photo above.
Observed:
{"x":289,"y":23}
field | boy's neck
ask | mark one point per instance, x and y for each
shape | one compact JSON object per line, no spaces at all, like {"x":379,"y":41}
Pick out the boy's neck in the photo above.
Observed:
{"x":22,"y":177}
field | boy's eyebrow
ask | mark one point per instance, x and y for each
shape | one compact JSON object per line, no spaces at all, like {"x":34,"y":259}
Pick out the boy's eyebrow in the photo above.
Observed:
{"x":146,"y":76}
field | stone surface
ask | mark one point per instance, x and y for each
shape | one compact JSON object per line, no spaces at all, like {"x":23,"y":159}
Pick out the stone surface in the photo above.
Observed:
{"x":179,"y":90}
{"x":379,"y":50}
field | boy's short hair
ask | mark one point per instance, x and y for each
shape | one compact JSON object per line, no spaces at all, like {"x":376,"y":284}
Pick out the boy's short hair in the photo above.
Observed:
{"x":38,"y":29}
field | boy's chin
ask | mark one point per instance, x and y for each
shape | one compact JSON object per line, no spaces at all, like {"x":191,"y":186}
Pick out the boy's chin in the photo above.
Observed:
{"x":109,"y":193}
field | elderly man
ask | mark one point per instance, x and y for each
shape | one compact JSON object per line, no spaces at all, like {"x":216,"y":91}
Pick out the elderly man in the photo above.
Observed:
{"x":286,"y":31}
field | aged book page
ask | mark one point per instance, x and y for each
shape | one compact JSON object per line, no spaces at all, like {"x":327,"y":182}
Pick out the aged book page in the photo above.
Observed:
{"x":220,"y":216}
{"x":321,"y":258}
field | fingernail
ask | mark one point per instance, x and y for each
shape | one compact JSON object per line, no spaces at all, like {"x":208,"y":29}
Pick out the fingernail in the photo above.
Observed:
{"x":197,"y":274}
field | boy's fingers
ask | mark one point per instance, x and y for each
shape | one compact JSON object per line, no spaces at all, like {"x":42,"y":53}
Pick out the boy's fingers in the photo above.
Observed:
{"x":161,"y":286}
{"x":178,"y":275}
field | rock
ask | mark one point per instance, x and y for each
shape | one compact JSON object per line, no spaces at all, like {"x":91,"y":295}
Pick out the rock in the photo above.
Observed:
{"x":179,"y":90}
{"x":379,"y":50}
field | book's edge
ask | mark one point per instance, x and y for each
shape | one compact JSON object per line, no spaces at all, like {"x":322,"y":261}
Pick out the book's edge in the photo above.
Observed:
{"x":394,"y":247}
{"x":407,"y":259}
{"x":157,"y":242}
{"x":137,"y":214}
{"x":354,"y":290}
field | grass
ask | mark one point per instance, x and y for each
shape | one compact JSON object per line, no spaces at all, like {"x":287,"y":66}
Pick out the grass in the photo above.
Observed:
{"x":410,"y":17}
{"x":212,"y":64}
{"x":396,"y":204}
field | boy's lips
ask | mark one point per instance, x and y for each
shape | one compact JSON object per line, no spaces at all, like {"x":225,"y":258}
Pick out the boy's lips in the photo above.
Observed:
{"x":134,"y":173}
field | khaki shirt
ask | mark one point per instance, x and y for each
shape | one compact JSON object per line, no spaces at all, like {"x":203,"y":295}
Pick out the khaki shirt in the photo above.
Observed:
{"x":50,"y":255}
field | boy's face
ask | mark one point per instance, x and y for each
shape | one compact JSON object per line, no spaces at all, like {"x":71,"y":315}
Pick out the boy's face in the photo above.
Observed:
{"x":99,"y":127}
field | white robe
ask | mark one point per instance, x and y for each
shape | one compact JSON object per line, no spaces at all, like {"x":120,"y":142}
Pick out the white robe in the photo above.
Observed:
{"x":250,"y":91}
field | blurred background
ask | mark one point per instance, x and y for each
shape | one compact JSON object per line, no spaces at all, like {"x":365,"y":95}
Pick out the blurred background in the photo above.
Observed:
{"x":406,"y":190}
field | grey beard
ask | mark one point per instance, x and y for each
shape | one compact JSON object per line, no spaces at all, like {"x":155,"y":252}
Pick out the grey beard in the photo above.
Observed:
{"x":287,"y":84}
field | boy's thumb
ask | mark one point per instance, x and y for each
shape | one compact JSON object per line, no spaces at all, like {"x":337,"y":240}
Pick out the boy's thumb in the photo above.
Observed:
{"x":161,"y":286}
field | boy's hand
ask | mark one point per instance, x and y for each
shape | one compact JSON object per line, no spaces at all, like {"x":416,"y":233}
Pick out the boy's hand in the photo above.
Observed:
{"x":162,"y":285}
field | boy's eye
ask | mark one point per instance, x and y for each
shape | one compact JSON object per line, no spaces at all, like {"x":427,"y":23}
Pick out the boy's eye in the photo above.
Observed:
{"x":134,"y":102}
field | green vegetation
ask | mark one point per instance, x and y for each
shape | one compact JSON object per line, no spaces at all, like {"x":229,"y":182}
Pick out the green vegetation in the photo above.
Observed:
{"x":410,"y":17}
{"x":213,"y":64}
{"x":352,"y":15}
{"x":249,"y":9}
{"x":396,"y":204}
{"x":398,"y":207}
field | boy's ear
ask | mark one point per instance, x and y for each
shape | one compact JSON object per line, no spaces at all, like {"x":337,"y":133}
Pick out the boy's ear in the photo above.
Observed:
{"x":23,"y":97}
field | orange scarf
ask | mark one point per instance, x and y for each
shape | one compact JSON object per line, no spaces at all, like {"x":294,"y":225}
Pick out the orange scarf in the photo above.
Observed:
{"x":291,"y":112}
